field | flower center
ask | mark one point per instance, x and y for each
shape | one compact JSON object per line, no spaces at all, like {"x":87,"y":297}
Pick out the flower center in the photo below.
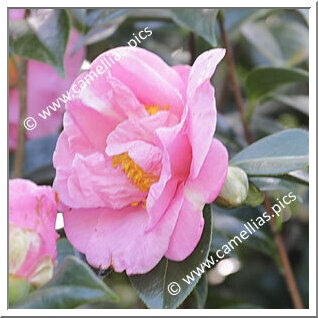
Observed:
{"x":154,"y":109}
{"x":141,"y":179}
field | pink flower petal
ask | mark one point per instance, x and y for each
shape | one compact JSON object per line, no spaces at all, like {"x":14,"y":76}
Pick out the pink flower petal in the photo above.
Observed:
{"x":187,"y":232}
{"x":119,"y":140}
{"x":34,"y":207}
{"x":176,"y":162}
{"x":209,"y":182}
{"x":203,"y":189}
{"x":151,"y":80}
{"x":202,"y":110}
{"x":109,"y":244}
{"x":184,"y":73}
{"x":93,"y":182}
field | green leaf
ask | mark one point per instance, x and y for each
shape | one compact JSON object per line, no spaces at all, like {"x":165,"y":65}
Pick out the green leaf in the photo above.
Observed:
{"x":272,"y":184}
{"x":262,"y":81}
{"x":201,"y":291}
{"x":261,"y":37}
{"x":231,"y":222}
{"x":282,"y":43}
{"x":200,"y":21}
{"x":219,"y":239}
{"x":305,"y":14}
{"x":274,"y":155}
{"x":298,"y":102}
{"x":152,"y":287}
{"x":42,"y":38}
{"x":101,"y":24}
{"x":38,"y":165}
{"x":255,"y":197}
{"x":73,"y":285}
{"x":78,"y":18}
{"x":64,"y":248}
{"x":298,"y":176}
{"x":19,"y":288}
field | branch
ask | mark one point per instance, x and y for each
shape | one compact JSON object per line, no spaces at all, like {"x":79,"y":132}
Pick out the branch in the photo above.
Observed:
{"x":288,"y":273}
{"x":236,"y":88}
{"x":192,"y":47}
{"x":290,"y":279}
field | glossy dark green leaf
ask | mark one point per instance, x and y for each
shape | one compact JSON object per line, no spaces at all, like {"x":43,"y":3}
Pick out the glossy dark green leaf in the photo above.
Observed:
{"x":272,"y":184}
{"x":38,"y":165}
{"x":262,"y":81}
{"x":78,"y":18}
{"x":277,"y":154}
{"x":255,"y":197}
{"x":298,"y":176}
{"x":231,"y":222}
{"x":298,"y":102}
{"x":64,"y":248}
{"x":282,"y":43}
{"x":73,"y":285}
{"x":218,"y":240}
{"x":305,"y":14}
{"x":201,"y":291}
{"x":42,"y":38}
{"x":200,"y":21}
{"x":152,"y":287}
{"x":101,"y":24}
{"x":261,"y":37}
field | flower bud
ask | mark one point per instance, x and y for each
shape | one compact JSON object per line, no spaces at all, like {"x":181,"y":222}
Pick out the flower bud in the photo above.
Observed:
{"x":235,"y":189}
{"x":27,"y":258}
{"x":32,"y":237}
{"x":19,"y":288}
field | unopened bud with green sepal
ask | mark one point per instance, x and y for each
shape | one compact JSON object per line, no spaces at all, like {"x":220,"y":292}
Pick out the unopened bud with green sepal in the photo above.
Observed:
{"x":235,"y":189}
{"x":19,"y":288}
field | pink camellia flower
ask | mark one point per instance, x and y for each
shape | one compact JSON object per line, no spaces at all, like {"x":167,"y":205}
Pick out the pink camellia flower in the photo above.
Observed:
{"x":137,"y":160}
{"x":44,"y":86}
{"x":32,"y":235}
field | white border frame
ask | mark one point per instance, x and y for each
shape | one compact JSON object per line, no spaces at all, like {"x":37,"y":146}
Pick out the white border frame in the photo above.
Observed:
{"x":312,"y":161}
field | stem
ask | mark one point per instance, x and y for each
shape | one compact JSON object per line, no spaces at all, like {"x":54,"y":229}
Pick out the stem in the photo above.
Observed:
{"x":288,"y":273}
{"x":224,"y":94}
{"x":290,"y":279}
{"x":192,"y":47}
{"x":236,"y":88}
{"x":19,"y":154}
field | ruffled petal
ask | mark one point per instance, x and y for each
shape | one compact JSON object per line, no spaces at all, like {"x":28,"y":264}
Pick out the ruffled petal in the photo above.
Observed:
{"x":203,"y":189}
{"x":136,"y":129}
{"x":91,"y":181}
{"x":208,"y":184}
{"x":176,"y":160}
{"x":151,"y":80}
{"x":34,"y":207}
{"x":119,"y":237}
{"x":187,"y":232}
{"x":202,"y":110}
{"x":184,"y":73}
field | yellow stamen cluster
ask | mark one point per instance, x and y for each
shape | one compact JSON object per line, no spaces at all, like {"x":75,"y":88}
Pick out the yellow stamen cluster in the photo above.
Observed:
{"x":142,"y":180}
{"x":143,"y":203}
{"x":152,"y":110}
